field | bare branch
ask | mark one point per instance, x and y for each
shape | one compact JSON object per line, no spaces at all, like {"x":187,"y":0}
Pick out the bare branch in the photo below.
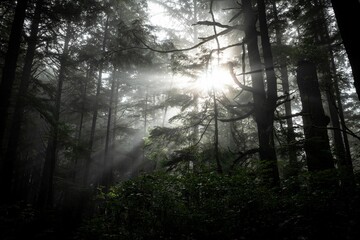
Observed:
{"x":215,"y":35}
{"x":217,"y":24}
{"x":242,"y":155}
{"x":204,"y":40}
{"x":246,"y":115}
{"x":290,"y":116}
{"x":203,"y":133}
{"x":284,"y":101}
{"x":242,"y":86}
{"x":347,"y":131}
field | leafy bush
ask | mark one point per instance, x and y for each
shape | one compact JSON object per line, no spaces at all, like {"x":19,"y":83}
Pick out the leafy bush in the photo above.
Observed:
{"x":212,"y":206}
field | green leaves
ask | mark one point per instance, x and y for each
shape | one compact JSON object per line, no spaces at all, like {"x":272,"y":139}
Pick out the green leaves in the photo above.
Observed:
{"x":188,"y":206}
{"x":213,"y":206}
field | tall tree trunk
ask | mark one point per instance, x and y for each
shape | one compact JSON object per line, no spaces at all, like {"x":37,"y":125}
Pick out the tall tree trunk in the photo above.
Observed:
{"x":317,"y":147}
{"x":336,"y":98}
{"x":346,"y":15}
{"x":347,"y":160}
{"x":78,"y":172}
{"x":9,"y":69}
{"x":290,"y":134}
{"x":11,"y":153}
{"x":343,"y":156}
{"x":108,"y":165}
{"x":72,"y":205}
{"x":213,"y":95}
{"x":263,"y":103}
{"x":45,"y":198}
{"x":95,"y":113}
{"x":83,"y":102}
{"x":146,"y":110}
{"x":115,"y":130}
{"x":271,"y":90}
{"x":322,"y":35}
{"x":216,"y":133}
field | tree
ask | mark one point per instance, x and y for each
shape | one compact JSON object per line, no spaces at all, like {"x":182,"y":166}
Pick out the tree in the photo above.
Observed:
{"x":45,"y":198}
{"x":328,"y":69}
{"x":343,"y":13}
{"x":17,"y":118}
{"x":317,"y":148}
{"x":284,"y":75}
{"x":264,"y":102}
{"x":9,"y":69}
{"x":107,"y":175}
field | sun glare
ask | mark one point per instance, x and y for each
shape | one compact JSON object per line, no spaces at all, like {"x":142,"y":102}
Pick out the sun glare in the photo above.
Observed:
{"x":217,"y":79}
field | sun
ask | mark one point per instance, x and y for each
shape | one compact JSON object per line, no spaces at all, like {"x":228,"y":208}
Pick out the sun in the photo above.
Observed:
{"x":216,"y":79}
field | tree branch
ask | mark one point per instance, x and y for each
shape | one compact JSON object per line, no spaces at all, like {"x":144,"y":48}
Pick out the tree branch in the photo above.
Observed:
{"x":246,"y":115}
{"x":204,"y":40}
{"x":215,"y":35}
{"x":242,"y":155}
{"x":203,"y":133}
{"x":347,"y":131}
{"x":289,"y":116}
{"x":217,"y":24}
{"x":242,"y":86}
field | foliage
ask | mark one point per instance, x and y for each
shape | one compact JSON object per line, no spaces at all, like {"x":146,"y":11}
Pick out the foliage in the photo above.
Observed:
{"x":212,"y":206}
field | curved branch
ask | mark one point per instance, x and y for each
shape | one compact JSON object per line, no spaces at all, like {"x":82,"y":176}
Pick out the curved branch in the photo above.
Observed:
{"x":242,"y":86}
{"x":217,"y":24}
{"x":246,"y":115}
{"x":244,"y":154}
{"x":289,"y":116}
{"x":347,"y":131}
{"x":215,"y":35}
{"x":204,"y":40}
{"x":203,"y":133}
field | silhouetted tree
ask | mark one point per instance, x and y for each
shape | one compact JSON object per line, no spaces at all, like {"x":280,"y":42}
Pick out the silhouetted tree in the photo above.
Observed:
{"x":317,"y":147}
{"x":9,"y":69}
{"x":346,"y":15}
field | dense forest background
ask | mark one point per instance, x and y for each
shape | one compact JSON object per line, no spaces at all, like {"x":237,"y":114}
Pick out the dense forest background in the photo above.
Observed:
{"x":169,"y":119}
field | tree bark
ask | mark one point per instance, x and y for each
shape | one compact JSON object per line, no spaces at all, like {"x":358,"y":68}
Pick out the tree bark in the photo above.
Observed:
{"x":45,"y":198}
{"x":9,"y":69}
{"x":7,"y":174}
{"x":317,"y":147}
{"x":346,"y":15}
{"x":290,"y":134}
{"x":342,"y":150}
{"x":108,"y":165}
{"x":263,"y":103}
{"x":271,"y":87}
{"x":95,"y":113}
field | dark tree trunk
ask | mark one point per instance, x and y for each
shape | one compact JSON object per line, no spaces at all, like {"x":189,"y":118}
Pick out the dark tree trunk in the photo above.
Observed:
{"x":45,"y":198}
{"x":343,"y":143}
{"x":263,"y":103}
{"x":11,"y":153}
{"x":271,"y":87}
{"x":216,"y":133}
{"x":290,"y":134}
{"x":9,"y":69}
{"x":342,"y":151}
{"x":347,"y":14}
{"x":347,"y":162}
{"x":322,"y":35}
{"x":107,"y":176}
{"x":83,"y":102}
{"x":213,"y":95}
{"x":338,"y":141}
{"x":95,"y":113}
{"x":317,"y":148}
